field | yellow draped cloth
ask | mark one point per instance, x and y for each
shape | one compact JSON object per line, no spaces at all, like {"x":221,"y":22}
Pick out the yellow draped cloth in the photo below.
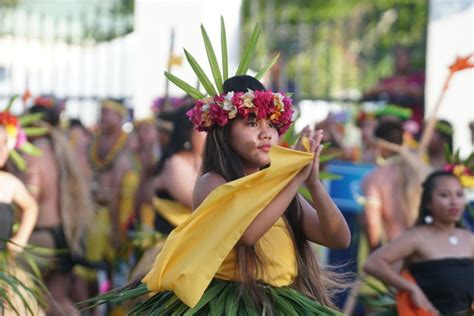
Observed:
{"x":196,"y":249}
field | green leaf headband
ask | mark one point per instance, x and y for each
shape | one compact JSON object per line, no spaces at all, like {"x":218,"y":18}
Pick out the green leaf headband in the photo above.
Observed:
{"x":17,"y":131}
{"x":216,"y":71}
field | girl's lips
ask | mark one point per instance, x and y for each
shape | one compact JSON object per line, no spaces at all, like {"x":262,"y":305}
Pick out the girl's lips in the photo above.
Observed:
{"x":454,"y":211}
{"x":265,"y":148}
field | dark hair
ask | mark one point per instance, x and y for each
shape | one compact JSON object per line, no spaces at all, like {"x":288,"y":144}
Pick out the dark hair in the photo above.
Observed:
{"x":50,"y":115}
{"x":390,"y":131}
{"x":74,"y":122}
{"x":220,"y":158}
{"x":446,"y":136}
{"x":242,"y":84}
{"x":428,"y":186}
{"x":180,"y":136}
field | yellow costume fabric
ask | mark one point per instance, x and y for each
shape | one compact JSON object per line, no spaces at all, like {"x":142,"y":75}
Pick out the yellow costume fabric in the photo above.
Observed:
{"x":276,"y":249}
{"x":196,"y":249}
{"x":174,"y":212}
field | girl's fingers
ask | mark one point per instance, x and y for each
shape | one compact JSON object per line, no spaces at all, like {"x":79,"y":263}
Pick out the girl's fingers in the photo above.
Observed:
{"x":318,"y":151}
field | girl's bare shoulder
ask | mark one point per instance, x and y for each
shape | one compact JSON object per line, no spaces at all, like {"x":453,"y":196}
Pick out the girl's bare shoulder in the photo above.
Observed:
{"x":205,"y":184}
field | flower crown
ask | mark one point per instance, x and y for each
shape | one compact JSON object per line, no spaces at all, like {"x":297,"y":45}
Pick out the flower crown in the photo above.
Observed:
{"x":17,"y":132}
{"x":217,"y":107}
{"x":218,"y":110}
{"x":463,"y":170}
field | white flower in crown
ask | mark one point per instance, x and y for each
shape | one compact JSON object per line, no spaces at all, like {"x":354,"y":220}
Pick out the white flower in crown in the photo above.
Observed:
{"x":247,"y":99}
{"x":229,"y":106}
{"x":278,"y":102}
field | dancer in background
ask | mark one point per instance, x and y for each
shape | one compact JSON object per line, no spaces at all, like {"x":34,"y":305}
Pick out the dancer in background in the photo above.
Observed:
{"x":437,"y":253}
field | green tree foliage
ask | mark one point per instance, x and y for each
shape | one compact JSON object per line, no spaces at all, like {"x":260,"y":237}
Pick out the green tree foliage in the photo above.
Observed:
{"x":330,"y":48}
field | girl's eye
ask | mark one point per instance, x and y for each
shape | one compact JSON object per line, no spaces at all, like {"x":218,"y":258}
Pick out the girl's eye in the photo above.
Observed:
{"x":252,"y":123}
{"x":272,"y":125}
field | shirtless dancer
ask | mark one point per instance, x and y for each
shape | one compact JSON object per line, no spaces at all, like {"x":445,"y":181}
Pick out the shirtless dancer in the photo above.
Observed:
{"x":109,"y":162}
{"x":60,"y":191}
{"x":390,"y":190}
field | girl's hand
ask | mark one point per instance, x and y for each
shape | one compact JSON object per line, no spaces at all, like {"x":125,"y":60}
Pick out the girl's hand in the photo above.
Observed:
{"x":420,"y":300}
{"x":310,"y":173}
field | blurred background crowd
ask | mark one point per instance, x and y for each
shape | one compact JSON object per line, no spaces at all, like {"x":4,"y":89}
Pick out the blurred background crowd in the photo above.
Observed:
{"x":120,"y":157}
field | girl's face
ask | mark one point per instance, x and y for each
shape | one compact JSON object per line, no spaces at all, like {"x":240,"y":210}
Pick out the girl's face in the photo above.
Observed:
{"x":251,"y":139}
{"x":3,"y":146}
{"x":447,"y":200}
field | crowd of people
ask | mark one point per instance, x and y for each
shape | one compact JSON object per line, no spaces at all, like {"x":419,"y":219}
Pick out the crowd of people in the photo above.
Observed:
{"x":199,"y":209}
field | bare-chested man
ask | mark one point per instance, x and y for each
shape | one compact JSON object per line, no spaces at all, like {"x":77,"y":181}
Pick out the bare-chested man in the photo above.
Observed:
{"x":60,"y":191}
{"x":391,"y":191}
{"x":110,"y":162}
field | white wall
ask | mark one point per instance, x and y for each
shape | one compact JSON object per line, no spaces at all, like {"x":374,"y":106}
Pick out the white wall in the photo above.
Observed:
{"x":154,"y":20}
{"x":451,"y":34}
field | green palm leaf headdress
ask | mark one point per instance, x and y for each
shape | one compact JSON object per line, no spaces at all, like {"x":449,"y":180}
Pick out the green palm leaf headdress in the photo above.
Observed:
{"x":219,"y":75}
{"x":17,"y":130}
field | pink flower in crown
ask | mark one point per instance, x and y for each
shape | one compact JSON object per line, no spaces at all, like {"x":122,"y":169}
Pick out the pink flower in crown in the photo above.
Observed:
{"x":218,"y":115}
{"x":237,"y":99}
{"x":21,"y":138}
{"x":264,"y":103}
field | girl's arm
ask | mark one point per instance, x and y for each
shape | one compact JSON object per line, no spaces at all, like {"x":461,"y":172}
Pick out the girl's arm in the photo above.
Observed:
{"x":379,"y":264}
{"x":324,"y":223}
{"x":29,"y":209}
{"x":325,"y":226}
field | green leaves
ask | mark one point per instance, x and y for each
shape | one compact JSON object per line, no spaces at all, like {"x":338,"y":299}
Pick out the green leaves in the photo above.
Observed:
{"x":248,"y":52}
{"x":225,"y":60}
{"x":10,"y":103}
{"x":203,"y":79}
{"x":264,"y":70}
{"x":27,"y":119}
{"x":17,"y":160}
{"x":211,"y":56}
{"x":193,"y":92}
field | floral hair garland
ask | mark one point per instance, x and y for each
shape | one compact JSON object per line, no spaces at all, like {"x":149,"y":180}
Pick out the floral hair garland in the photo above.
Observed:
{"x":463,"y":170}
{"x":216,"y":107}
{"x":17,"y":131}
{"x":16,"y":136}
{"x":218,"y":110}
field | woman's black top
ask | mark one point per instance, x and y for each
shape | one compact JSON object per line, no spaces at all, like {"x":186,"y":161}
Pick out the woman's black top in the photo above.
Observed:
{"x":6,"y":223}
{"x":447,"y":283}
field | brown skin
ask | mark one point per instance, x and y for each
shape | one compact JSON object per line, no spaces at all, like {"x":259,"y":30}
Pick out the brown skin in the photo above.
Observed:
{"x":108,"y":182}
{"x":180,"y":172}
{"x":383,"y":207}
{"x":42,"y":178}
{"x":14,"y":192}
{"x":249,"y":139}
{"x":426,"y":242}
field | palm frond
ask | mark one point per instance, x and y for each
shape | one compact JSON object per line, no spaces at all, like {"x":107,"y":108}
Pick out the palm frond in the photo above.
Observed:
{"x":211,"y":56}
{"x":190,"y":90}
{"x":265,"y":69}
{"x":248,"y":52}
{"x":225,"y":60}
{"x":203,"y":79}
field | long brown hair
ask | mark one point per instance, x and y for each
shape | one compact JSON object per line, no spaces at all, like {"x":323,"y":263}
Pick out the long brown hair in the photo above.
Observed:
{"x":312,"y":279}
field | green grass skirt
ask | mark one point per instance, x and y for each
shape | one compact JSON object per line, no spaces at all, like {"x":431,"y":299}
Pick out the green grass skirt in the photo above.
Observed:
{"x":220,"y":298}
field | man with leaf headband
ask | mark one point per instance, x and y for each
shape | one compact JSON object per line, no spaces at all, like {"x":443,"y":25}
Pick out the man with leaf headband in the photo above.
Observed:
{"x":241,"y":251}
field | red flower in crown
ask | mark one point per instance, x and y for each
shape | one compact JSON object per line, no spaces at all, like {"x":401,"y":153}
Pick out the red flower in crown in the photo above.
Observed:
{"x":263,"y":104}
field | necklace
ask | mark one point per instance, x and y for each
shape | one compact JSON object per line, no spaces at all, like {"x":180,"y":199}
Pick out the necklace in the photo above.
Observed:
{"x":103,"y":163}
